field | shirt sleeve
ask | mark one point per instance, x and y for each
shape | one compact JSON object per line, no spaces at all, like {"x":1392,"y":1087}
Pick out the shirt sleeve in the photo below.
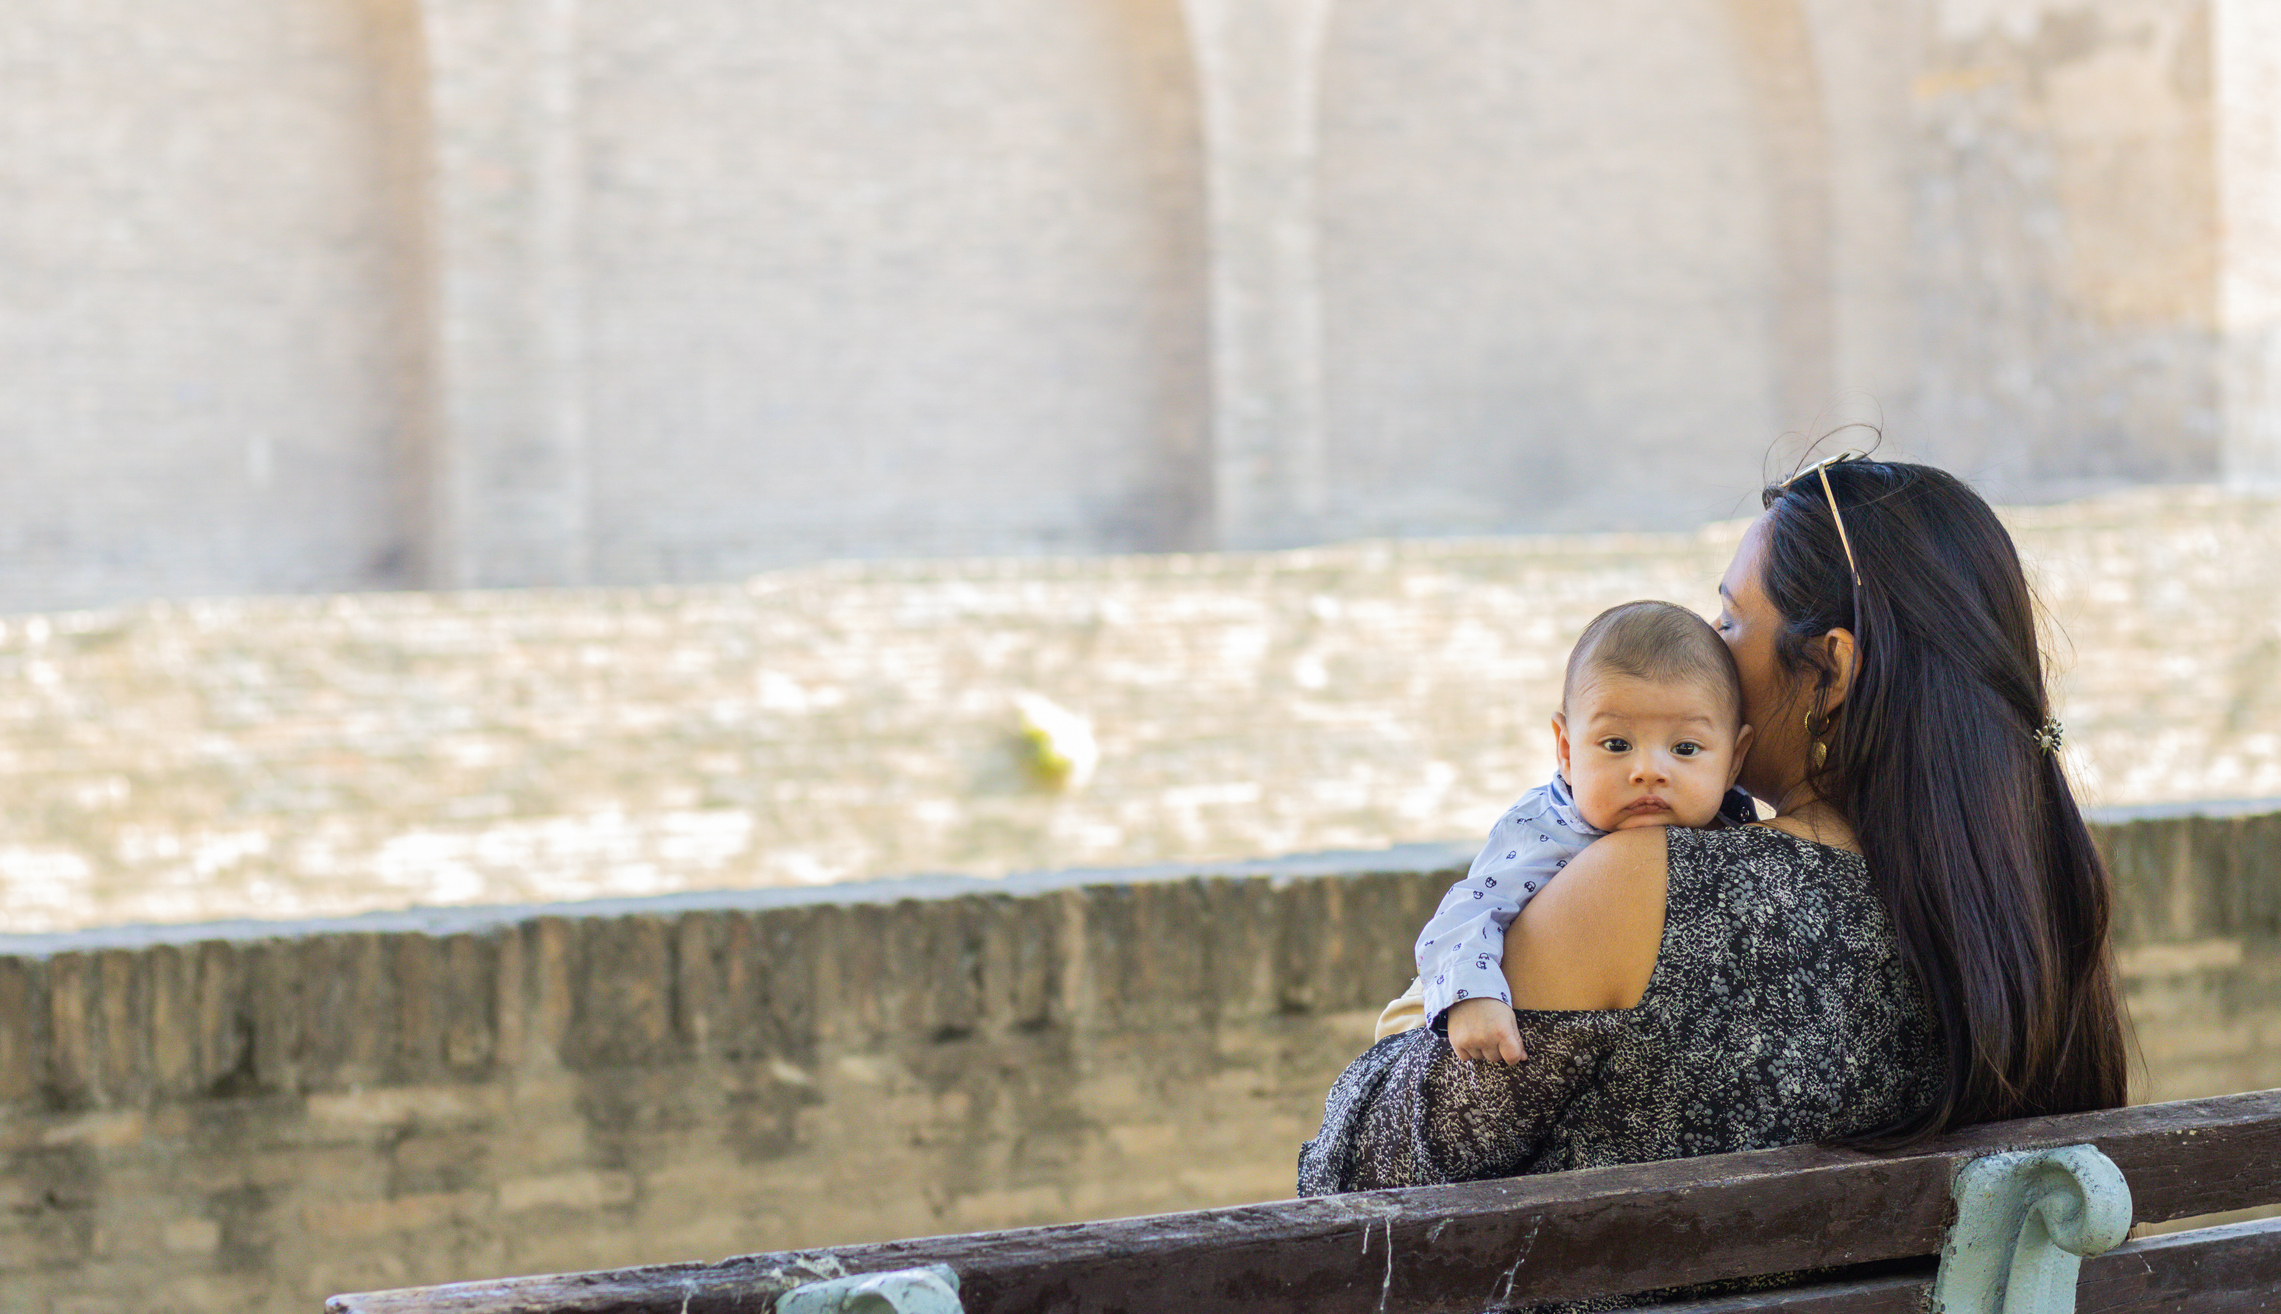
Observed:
{"x":1461,"y":952}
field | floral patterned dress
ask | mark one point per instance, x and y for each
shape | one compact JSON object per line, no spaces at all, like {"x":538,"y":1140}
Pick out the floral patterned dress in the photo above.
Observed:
{"x":1779,"y":1012}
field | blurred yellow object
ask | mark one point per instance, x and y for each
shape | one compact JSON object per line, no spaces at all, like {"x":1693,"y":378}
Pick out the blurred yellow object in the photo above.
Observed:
{"x":1063,"y":753}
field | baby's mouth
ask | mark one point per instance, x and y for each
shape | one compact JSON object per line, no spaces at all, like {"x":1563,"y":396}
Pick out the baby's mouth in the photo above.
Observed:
{"x":1651,"y":803}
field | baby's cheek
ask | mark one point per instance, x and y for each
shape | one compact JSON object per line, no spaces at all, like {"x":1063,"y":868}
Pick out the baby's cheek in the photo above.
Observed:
{"x":1698,"y":804}
{"x":1601,"y":797}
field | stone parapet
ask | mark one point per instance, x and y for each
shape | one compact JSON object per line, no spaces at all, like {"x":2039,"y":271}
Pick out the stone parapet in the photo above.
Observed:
{"x":251,"y":1116}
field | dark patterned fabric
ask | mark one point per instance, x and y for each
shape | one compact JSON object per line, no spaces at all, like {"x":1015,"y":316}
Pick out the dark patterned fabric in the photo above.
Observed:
{"x":1778,"y":1012}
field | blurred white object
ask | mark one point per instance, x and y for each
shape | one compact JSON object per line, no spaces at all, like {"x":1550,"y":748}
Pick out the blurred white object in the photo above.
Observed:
{"x":1062,"y":741}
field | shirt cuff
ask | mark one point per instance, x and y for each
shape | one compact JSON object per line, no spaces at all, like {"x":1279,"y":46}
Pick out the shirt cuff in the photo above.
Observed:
{"x":1472,"y":976}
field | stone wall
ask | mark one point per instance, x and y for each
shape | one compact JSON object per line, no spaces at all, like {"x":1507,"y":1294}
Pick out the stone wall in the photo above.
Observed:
{"x":2199,"y":931}
{"x":314,"y":296}
{"x":310,"y":758}
{"x":248,"y":1118}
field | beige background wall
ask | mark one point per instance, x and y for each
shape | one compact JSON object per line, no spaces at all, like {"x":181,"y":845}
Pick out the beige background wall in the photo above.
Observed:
{"x":1521,"y":327}
{"x":340,"y":294}
{"x":888,"y":277}
{"x":250,"y":1120}
{"x":2067,"y":204}
{"x":208,"y":290}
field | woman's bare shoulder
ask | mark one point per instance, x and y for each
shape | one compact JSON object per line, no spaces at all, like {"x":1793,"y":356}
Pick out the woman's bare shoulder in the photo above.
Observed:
{"x":1590,"y":939}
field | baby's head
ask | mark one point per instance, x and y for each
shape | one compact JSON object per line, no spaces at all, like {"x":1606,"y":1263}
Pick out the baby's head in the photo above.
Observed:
{"x":1650,"y":727}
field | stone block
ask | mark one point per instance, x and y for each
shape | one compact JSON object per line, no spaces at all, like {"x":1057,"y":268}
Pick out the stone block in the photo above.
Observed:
{"x":622,"y":1012}
{"x":364,"y":1220}
{"x":464,"y":965}
{"x":171,"y":1024}
{"x":2188,"y":958}
{"x":273,"y":1006}
{"x":191,"y":1236}
{"x":24,"y":1030}
{"x":122,"y":1023}
{"x":108,"y":1129}
{"x":548,"y":962}
{"x":1024,"y":962}
{"x":697,"y":979}
{"x":73,"y":1063}
{"x":584,"y":1192}
{"x":223,"y":1023}
{"x":790,"y":996}
{"x":510,"y":1000}
{"x":397,"y":1106}
{"x":415,"y":1051}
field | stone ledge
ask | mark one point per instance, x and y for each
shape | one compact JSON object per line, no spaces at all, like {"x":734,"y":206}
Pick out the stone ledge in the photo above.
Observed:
{"x":136,"y":1017}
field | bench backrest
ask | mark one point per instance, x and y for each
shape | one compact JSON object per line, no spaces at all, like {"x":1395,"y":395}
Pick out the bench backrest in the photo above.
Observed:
{"x":1480,"y":1245}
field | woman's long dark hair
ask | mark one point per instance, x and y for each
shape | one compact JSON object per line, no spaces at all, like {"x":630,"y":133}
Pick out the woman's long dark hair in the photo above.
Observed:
{"x":1968,"y":824}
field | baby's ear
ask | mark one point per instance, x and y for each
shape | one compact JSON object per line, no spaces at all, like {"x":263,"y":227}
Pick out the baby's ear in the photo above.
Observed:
{"x":1560,"y":741}
{"x":1742,"y":750}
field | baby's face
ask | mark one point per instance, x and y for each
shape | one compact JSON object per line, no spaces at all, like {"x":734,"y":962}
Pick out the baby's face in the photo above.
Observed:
{"x":1642,"y":753}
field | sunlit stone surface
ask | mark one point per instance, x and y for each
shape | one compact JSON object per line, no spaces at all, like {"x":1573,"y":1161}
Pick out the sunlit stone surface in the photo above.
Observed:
{"x":288,"y":758}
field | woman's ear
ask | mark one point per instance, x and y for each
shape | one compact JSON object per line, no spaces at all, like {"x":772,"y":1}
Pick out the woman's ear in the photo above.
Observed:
{"x":1742,"y":750}
{"x":1560,"y":744}
{"x":1839,"y":657}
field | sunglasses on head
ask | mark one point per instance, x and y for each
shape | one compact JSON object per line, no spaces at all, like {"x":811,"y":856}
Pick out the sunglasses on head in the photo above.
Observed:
{"x":1822,"y":468}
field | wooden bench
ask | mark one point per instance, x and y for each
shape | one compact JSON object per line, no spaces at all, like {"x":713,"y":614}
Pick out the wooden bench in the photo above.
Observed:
{"x":1605,"y":1231}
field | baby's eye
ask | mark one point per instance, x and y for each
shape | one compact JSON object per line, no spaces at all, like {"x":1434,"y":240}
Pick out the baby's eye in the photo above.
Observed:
{"x":1686,"y":748}
{"x":1615,"y":745}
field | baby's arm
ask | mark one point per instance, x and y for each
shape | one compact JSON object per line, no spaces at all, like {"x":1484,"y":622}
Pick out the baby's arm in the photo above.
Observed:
{"x":1460,"y":954}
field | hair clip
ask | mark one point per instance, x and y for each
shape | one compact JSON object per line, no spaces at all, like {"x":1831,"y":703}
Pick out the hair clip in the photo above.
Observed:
{"x":2050,"y":735}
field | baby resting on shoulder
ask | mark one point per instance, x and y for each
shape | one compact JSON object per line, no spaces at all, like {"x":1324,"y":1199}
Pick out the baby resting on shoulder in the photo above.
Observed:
{"x":1649,"y":733}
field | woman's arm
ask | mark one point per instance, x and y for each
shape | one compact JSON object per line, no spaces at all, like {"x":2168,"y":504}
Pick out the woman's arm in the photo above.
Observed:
{"x":1590,"y":940}
{"x":1411,"y":1112}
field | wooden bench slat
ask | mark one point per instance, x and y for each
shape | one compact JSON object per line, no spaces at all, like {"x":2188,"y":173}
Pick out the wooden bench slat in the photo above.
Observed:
{"x":1888,"y":1295}
{"x":1462,"y":1248}
{"x":2235,"y":1269}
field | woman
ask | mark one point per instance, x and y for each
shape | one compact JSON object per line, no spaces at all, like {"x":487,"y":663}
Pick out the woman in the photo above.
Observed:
{"x":1917,"y":940}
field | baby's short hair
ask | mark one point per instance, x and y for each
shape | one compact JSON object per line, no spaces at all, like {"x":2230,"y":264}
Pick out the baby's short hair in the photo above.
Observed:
{"x":1655,"y":641}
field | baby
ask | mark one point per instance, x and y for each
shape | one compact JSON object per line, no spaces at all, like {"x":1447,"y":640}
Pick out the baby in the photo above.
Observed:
{"x":1649,"y":733}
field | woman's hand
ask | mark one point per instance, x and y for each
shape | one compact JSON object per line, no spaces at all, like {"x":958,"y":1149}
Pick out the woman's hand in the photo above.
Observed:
{"x":1484,"y":1030}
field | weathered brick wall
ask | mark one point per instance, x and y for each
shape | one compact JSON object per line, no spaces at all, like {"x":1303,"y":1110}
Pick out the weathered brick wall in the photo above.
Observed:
{"x":297,"y":758}
{"x":248,"y":1120}
{"x":2199,"y":935}
{"x":251,"y":1123}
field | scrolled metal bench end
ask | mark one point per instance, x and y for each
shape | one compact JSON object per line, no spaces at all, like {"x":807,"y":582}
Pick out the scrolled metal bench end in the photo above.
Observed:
{"x":2024,"y":1222}
{"x":931,"y":1290}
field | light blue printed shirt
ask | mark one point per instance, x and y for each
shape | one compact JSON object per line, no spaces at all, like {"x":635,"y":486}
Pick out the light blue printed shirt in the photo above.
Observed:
{"x":1461,"y":953}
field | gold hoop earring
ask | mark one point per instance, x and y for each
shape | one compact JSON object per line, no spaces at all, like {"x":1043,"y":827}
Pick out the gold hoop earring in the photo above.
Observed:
{"x":1821,"y":754}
